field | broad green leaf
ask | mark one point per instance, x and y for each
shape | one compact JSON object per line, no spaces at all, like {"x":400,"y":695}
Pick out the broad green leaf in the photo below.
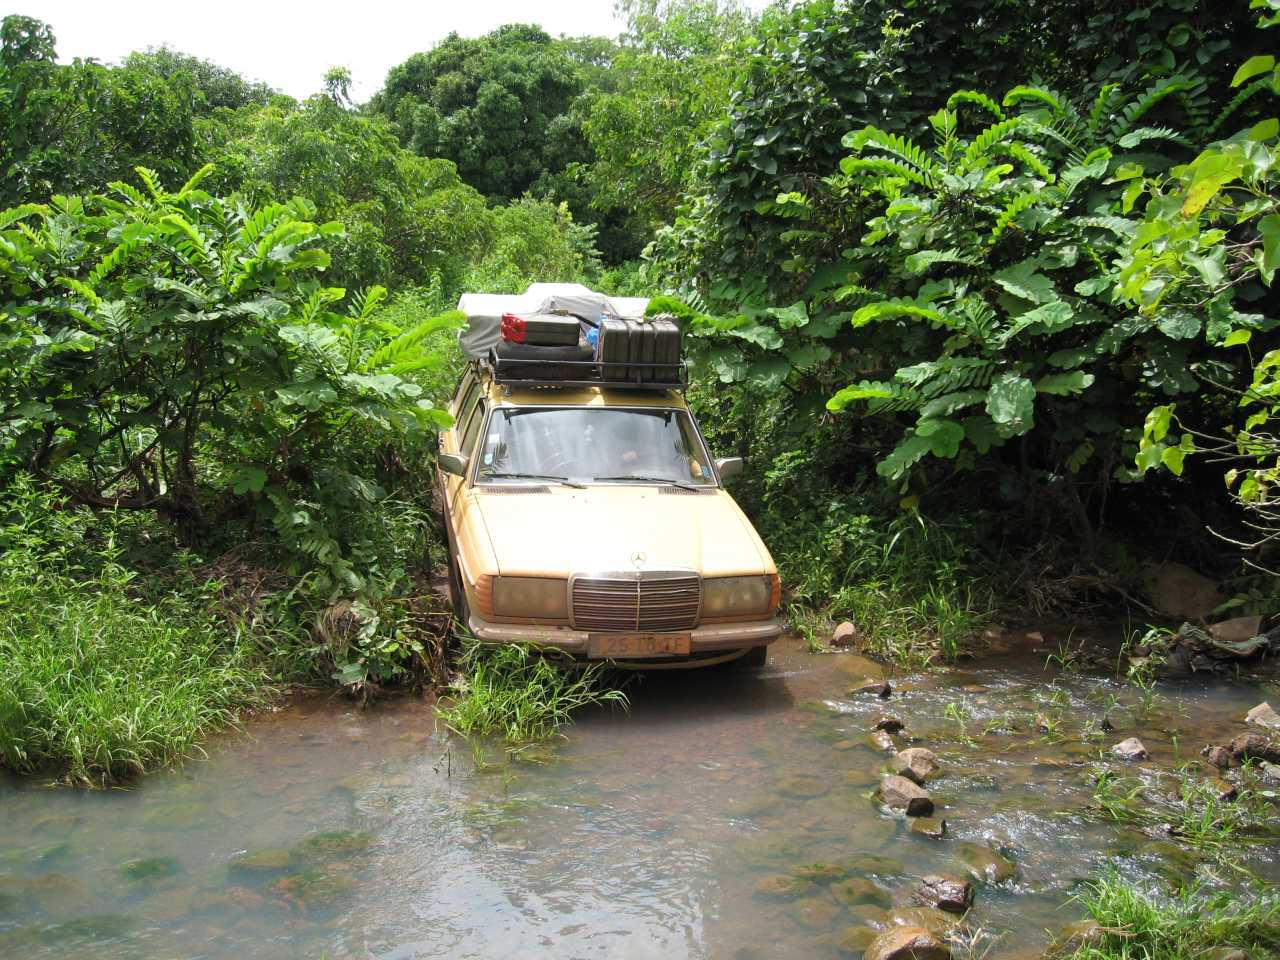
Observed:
{"x":1011,"y":401}
{"x":1252,"y":68}
{"x":1023,"y":281}
{"x":1269,"y":228}
{"x":764,"y":337}
{"x":789,"y":318}
{"x":247,"y":477}
{"x":1237,"y":337}
{"x":1265,"y":129}
{"x":1178,"y":324}
{"x":1156,"y":425}
{"x":1063,"y":384}
{"x":1054,"y":317}
{"x":944,"y":436}
{"x":904,"y":455}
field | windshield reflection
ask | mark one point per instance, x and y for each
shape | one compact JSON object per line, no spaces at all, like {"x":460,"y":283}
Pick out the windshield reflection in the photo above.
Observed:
{"x":600,"y":445}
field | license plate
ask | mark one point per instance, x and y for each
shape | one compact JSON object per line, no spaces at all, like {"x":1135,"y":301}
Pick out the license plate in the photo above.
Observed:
{"x":616,"y":646}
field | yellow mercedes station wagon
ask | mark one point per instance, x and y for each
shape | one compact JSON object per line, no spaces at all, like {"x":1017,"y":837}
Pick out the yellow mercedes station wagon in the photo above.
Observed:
{"x":585,"y":515}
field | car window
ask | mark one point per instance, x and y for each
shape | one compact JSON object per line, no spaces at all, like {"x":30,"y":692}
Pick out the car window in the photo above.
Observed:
{"x":470,"y":426}
{"x":594,"y":444}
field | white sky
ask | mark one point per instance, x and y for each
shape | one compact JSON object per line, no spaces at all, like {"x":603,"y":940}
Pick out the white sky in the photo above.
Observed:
{"x":289,"y":44}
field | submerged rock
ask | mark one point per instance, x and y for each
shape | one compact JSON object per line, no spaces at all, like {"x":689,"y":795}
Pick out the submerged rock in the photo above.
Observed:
{"x":310,"y":888}
{"x":855,"y":940}
{"x":264,"y":861}
{"x":946,"y":893}
{"x":984,"y":864}
{"x":1131,"y":749}
{"x":916,"y":763}
{"x":150,"y":868}
{"x":1264,"y":715}
{"x":782,"y":886}
{"x":902,"y":795}
{"x":932,"y":827}
{"x":1082,"y":933}
{"x":935,"y":921}
{"x":335,"y":843}
{"x":822,"y":873}
{"x":907,"y":943}
{"x":816,"y":913}
{"x":889,"y":724}
{"x":859,"y":890}
{"x":803,"y":786}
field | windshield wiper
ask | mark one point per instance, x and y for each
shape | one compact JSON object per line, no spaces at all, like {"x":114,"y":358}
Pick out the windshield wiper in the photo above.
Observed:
{"x":534,"y":476}
{"x":674,"y":483}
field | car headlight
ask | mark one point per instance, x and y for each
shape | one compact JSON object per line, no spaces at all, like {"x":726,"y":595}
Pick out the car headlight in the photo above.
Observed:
{"x":732,"y":596}
{"x":531,"y":597}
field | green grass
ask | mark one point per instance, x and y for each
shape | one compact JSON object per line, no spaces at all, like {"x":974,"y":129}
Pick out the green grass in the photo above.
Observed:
{"x":102,"y":674}
{"x":515,"y":693}
{"x":907,"y":584}
{"x":1137,"y":925}
{"x":1192,"y":810}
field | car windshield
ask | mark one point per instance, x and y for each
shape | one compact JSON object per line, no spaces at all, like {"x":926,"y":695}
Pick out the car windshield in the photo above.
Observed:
{"x":593,"y":445}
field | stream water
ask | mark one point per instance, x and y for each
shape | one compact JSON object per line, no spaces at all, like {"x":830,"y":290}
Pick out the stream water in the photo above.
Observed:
{"x":327,"y":831}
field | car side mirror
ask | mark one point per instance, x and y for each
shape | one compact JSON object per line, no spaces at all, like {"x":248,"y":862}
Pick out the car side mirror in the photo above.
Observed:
{"x":455,"y":463}
{"x":728,"y":467}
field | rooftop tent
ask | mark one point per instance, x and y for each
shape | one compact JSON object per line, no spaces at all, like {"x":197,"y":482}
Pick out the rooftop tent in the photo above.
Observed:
{"x":484,"y":310}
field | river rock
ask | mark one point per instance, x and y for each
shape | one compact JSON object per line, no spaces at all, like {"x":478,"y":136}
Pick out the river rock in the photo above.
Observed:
{"x":859,"y":890}
{"x":984,"y":864}
{"x":1264,"y":715}
{"x":935,"y":921}
{"x":820,"y":872}
{"x":264,"y":861}
{"x":932,"y":827}
{"x":855,"y":940}
{"x":946,"y":893}
{"x":900,"y":794}
{"x":803,"y":786}
{"x":1236,"y":630}
{"x":889,"y":724}
{"x":1270,"y":772}
{"x":844,"y":635}
{"x":781,"y":886}
{"x":907,"y":943}
{"x":882,"y":741}
{"x":1178,"y":591}
{"x":1217,"y":755}
{"x":879,"y":688}
{"x":1254,"y":746}
{"x":1131,"y":749}
{"x":815,"y":913}
{"x":916,"y":763}
{"x":1082,"y":933}
{"x":1225,"y":791}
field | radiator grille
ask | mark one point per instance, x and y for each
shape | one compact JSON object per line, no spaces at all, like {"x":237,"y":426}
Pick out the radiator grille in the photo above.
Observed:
{"x":649,"y":602}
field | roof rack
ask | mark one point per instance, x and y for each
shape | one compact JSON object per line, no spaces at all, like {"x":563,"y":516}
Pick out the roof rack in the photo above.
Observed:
{"x":584,"y":373}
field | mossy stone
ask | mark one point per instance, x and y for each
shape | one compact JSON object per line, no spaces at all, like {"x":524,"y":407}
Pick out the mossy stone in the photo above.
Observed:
{"x":312,"y":888}
{"x":853,"y":941}
{"x":150,"y":868}
{"x":264,"y":861}
{"x":803,"y":786}
{"x":782,"y":886}
{"x":335,"y":843}
{"x":860,"y":890}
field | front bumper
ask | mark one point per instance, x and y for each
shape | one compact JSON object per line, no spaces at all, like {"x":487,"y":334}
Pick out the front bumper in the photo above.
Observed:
{"x":710,"y":638}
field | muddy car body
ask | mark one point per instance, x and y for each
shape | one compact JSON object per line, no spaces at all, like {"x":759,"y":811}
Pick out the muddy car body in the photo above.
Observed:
{"x":592,"y":520}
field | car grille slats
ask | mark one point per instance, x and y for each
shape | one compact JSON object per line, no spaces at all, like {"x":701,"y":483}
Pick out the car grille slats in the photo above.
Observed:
{"x":652,"y":603}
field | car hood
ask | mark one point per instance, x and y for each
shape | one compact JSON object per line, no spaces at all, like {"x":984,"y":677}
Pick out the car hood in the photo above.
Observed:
{"x":612,"y":528}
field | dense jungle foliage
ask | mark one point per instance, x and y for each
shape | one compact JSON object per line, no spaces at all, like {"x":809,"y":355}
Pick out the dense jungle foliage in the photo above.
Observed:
{"x":983,"y":292}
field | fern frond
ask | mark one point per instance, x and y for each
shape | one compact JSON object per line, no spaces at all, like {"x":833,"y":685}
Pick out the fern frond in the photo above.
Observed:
{"x":981,"y":145}
{"x":896,"y":146}
{"x":882,"y":167}
{"x":1145,"y":134}
{"x":130,"y":193}
{"x":83,"y":289}
{"x":116,"y":257}
{"x":1102,"y":106}
{"x":194,"y":181}
{"x":151,"y":180}
{"x":1146,"y":101}
{"x":919,"y":262}
{"x":976,"y":98}
{"x":883,"y":395}
{"x":194,"y":237}
{"x":1019,"y":152}
{"x":15,"y":214}
{"x":1117,"y":225}
{"x":1239,"y":100}
{"x":1023,"y":93}
{"x":403,"y":348}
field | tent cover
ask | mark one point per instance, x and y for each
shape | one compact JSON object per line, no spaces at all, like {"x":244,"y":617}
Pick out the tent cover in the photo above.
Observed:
{"x":484,"y":310}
